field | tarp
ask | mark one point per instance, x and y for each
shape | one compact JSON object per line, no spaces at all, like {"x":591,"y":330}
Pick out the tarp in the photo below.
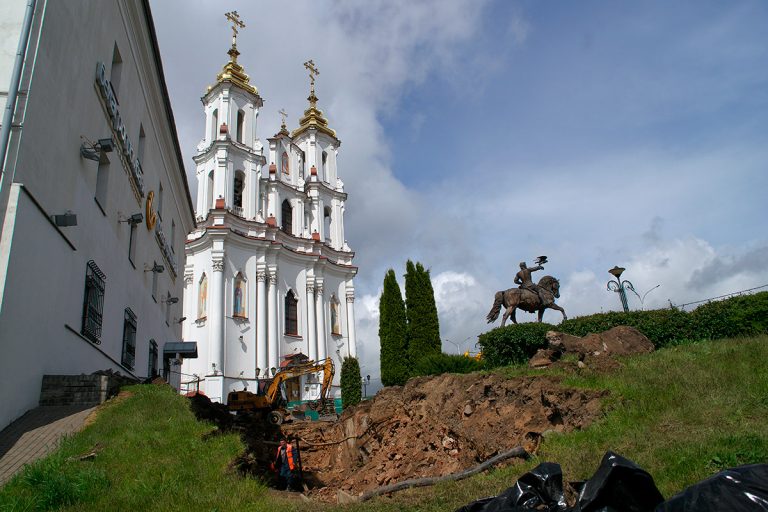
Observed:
{"x":620,"y":485}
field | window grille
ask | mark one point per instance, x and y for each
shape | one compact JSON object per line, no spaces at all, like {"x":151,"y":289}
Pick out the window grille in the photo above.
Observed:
{"x":93,"y":302}
{"x":129,"y":339}
{"x":152,"y":370}
{"x":287,"y":215}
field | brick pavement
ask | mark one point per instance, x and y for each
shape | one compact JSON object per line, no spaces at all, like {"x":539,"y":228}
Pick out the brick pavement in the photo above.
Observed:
{"x":36,"y":434}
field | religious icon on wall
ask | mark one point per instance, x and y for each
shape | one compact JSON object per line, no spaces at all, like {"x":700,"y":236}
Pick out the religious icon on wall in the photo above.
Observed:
{"x":238,"y":308}
{"x":284,"y":160}
{"x":335,"y":327}
{"x":202,"y":297}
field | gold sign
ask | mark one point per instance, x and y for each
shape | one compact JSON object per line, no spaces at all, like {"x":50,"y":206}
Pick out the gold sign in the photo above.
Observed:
{"x":151,"y":214}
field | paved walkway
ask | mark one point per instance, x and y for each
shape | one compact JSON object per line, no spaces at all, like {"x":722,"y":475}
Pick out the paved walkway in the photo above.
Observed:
{"x":36,"y":434}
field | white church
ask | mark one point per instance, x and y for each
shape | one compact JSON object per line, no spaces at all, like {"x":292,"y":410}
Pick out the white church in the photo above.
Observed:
{"x":268,"y":272}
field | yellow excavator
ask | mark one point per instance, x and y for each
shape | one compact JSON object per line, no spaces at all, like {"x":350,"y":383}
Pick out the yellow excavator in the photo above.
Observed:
{"x":271,"y":402}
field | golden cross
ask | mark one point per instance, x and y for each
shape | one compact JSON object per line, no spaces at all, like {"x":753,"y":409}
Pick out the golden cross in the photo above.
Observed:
{"x":313,"y":72}
{"x":283,"y":113}
{"x":235,"y":19}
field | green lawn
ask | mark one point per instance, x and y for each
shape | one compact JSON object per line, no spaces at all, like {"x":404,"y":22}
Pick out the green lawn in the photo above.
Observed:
{"x":682,"y":413}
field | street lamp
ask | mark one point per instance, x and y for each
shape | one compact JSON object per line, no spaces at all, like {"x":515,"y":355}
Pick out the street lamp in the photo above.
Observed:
{"x":459,"y":344}
{"x":366,"y":381}
{"x":620,"y":286}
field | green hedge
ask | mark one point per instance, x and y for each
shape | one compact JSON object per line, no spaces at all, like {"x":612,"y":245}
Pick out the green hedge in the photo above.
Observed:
{"x":513,"y":344}
{"x":738,"y":316}
{"x":436,"y":364}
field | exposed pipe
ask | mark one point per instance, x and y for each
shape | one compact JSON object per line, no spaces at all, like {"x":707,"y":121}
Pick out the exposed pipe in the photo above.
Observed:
{"x":10,"y":105}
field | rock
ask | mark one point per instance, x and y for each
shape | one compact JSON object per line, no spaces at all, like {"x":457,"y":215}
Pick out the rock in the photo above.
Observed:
{"x":543,"y":358}
{"x":581,"y":365}
{"x":448,"y":442}
{"x":468,"y":410}
{"x":344,"y":498}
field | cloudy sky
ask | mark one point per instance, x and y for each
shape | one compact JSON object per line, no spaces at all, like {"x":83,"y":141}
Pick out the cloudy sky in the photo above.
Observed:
{"x":478,"y":134}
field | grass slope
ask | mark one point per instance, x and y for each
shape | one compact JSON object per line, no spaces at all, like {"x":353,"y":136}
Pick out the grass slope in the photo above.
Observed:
{"x":682,"y":413}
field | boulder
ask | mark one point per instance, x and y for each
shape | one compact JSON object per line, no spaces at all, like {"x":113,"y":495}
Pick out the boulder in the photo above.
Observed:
{"x":618,"y":341}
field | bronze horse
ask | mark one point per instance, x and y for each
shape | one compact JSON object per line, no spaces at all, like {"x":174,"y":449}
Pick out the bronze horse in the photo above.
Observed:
{"x":527,"y":300}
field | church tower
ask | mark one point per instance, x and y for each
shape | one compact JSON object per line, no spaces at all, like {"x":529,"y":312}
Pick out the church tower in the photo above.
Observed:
{"x":269,"y":274}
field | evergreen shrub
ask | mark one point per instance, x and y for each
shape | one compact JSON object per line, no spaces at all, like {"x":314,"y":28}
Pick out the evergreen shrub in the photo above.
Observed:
{"x":351,"y":382}
{"x":513,"y":344}
{"x":437,"y":364}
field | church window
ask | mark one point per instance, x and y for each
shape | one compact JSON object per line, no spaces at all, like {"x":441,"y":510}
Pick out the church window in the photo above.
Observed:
{"x":202,"y":297}
{"x":129,"y":339}
{"x":102,"y":181}
{"x":291,"y":314}
{"x":116,"y":72}
{"x":325,"y":169}
{"x":287,"y":217}
{"x":335,"y":323}
{"x":238,"y":300}
{"x":238,"y":188}
{"x":240,"y":125}
{"x":173,"y":236}
{"x":285,"y":164}
{"x":327,"y":223}
{"x":153,"y":357}
{"x":93,"y":302}
{"x":303,"y":165}
{"x":168,"y":308}
{"x":214,"y":124}
{"x":209,"y":195}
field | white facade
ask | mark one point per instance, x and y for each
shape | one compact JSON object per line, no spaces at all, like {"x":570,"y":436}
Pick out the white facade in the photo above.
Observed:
{"x":269,"y":273}
{"x":92,"y":71}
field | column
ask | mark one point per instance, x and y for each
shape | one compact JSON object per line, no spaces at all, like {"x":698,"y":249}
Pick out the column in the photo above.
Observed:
{"x":190,"y":302}
{"x":320,"y":313}
{"x":215,"y":313}
{"x":272,"y":324}
{"x":311,"y":340}
{"x":351,"y":324}
{"x":261,"y":321}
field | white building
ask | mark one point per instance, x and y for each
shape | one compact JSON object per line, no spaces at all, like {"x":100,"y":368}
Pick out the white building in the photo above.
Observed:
{"x":86,"y":226}
{"x":269,"y":273}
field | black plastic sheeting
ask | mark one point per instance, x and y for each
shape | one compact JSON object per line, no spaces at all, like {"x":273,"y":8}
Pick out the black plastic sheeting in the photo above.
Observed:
{"x":620,"y":485}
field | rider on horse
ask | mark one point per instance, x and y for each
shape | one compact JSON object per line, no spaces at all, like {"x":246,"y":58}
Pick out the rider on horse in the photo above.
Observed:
{"x":523,"y":278}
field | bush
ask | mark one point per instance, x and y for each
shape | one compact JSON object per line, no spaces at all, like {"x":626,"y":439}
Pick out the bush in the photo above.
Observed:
{"x":351,"y":393}
{"x":437,"y":364}
{"x":513,"y":344}
{"x":738,"y":316}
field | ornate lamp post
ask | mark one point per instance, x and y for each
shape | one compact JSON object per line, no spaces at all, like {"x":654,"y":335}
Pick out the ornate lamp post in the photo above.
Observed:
{"x":620,"y":286}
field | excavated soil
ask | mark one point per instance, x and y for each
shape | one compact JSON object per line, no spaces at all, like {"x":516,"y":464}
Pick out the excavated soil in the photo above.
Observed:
{"x":435,"y":426}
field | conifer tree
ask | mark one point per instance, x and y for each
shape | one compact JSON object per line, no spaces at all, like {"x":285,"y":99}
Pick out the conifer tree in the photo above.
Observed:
{"x":393,"y":333}
{"x":421,"y":313}
{"x":350,"y":382}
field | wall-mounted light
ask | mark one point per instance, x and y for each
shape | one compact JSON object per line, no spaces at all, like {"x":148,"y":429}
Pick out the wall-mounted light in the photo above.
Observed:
{"x":273,"y":370}
{"x":93,"y":150}
{"x":257,"y":371}
{"x":133,"y":220}
{"x":171,"y":300}
{"x":65,"y":220}
{"x":180,"y":320}
{"x":156,"y":268}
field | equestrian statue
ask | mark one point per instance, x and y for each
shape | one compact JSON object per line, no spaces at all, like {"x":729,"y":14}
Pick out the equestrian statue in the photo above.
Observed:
{"x":530,"y":297}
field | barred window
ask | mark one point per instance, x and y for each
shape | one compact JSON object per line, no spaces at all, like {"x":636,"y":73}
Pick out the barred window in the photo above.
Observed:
{"x":93,"y":302}
{"x":129,"y":339}
{"x":152,"y":370}
{"x":291,"y":316}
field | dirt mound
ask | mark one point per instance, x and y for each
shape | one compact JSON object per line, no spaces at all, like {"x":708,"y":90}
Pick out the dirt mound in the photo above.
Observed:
{"x":618,"y":341}
{"x":435,"y":426}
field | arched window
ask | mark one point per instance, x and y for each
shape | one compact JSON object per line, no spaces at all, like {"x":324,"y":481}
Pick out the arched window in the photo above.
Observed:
{"x":325,"y":168}
{"x":215,"y":124}
{"x":238,"y":299}
{"x":291,"y":314}
{"x":285,"y":164}
{"x":240,"y":125}
{"x":209,"y":195}
{"x":238,"y":188}
{"x":202,"y":297}
{"x":287,"y":217}
{"x":335,"y":322}
{"x":327,"y":223}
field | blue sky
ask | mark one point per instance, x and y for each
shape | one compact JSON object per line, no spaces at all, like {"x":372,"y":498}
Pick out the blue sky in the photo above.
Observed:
{"x":477,"y":134}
